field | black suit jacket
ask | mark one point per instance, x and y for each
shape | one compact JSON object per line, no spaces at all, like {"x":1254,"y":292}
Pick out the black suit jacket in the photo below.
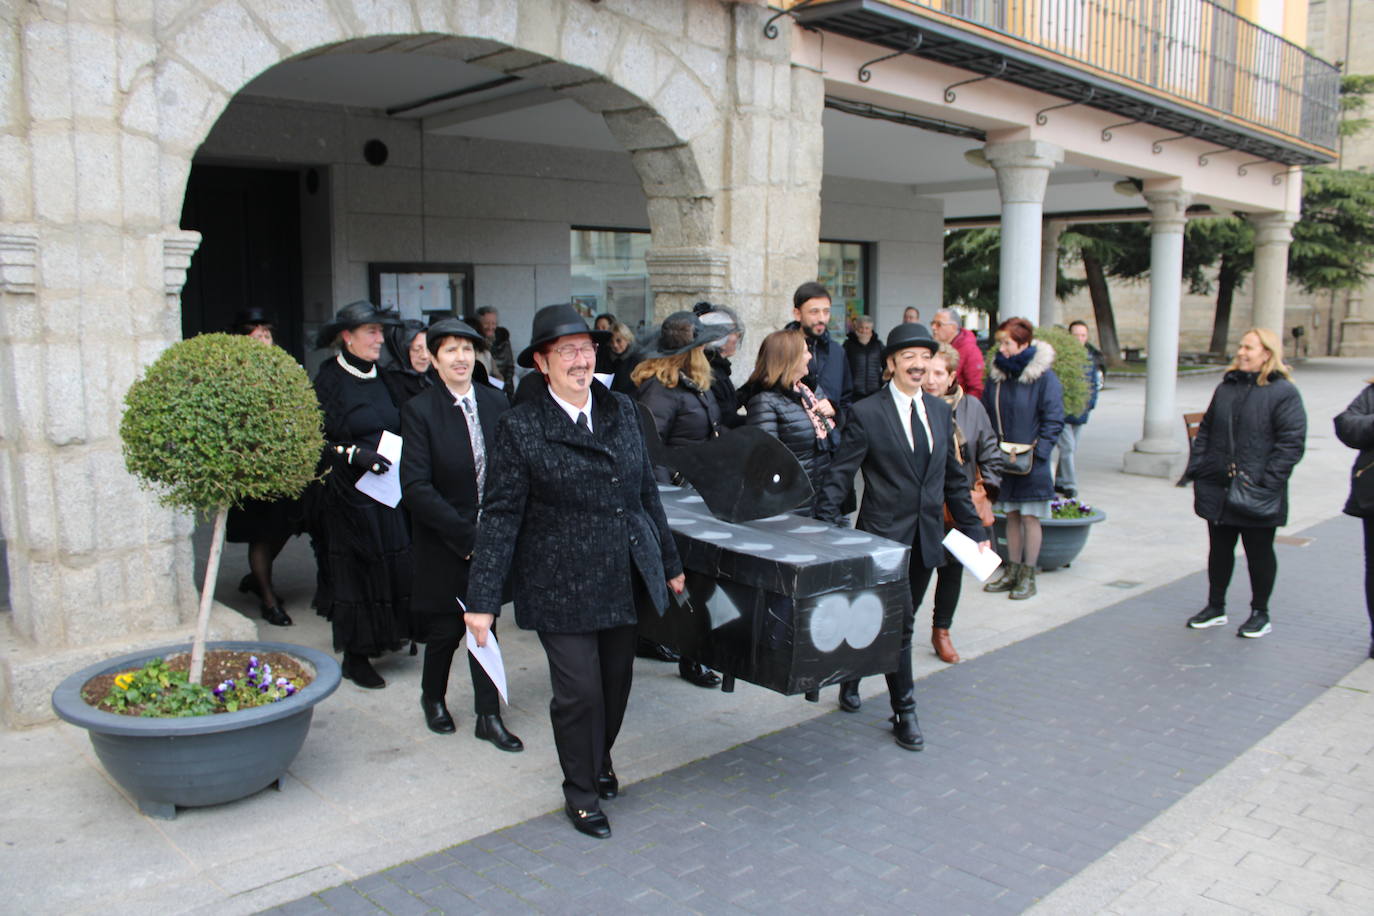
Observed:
{"x":439,"y":489}
{"x":899,"y":503}
{"x":572,"y":516}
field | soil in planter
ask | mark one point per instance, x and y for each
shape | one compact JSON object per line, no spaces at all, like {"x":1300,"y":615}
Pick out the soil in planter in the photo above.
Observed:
{"x":220,"y":665}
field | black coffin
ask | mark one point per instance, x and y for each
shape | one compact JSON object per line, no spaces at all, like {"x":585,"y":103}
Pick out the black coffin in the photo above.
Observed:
{"x":786,"y":602}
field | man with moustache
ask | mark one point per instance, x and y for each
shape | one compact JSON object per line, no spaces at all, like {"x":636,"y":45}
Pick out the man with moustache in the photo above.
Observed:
{"x":902,"y":439}
{"x":829,"y":374}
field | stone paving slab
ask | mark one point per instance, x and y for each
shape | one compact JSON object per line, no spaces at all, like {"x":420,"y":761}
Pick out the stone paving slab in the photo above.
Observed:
{"x":1041,"y":758}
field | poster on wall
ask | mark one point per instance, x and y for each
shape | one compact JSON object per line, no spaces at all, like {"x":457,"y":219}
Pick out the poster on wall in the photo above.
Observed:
{"x":422,"y":292}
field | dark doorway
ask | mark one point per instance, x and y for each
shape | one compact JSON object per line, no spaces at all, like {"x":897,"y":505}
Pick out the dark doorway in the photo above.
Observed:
{"x":251,"y":251}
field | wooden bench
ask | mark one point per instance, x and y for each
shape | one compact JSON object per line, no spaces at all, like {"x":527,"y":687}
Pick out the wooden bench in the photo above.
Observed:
{"x":1191,"y":422}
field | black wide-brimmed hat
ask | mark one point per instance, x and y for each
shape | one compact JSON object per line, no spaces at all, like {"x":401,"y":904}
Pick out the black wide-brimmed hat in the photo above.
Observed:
{"x":680,"y":332}
{"x":555,"y":321}
{"x":353,"y":315}
{"x":452,"y":327}
{"x":913,"y":334}
{"x":252,"y":316}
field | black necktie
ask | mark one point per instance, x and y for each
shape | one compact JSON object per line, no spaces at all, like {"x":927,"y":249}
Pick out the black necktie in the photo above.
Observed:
{"x":583,"y":422}
{"x":919,"y":445}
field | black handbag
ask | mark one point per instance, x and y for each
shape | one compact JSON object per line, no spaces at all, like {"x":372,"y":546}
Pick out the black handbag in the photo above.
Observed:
{"x":1244,"y":496}
{"x":1017,"y":457}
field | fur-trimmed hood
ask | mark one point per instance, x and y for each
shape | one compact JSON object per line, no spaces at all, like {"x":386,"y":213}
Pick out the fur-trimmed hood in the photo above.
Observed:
{"x":1040,"y":363}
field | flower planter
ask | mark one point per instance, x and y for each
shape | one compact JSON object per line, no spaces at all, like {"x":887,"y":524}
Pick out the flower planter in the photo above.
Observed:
{"x":198,"y":760}
{"x":1063,"y":538}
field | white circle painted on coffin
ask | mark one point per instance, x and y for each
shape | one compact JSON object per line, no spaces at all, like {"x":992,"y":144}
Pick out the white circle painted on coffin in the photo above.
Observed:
{"x":828,"y":621}
{"x":796,"y":558}
{"x":713,"y":535}
{"x":865,"y":620}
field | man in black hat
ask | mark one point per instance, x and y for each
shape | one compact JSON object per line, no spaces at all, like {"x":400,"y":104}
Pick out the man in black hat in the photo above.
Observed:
{"x":902,"y":439}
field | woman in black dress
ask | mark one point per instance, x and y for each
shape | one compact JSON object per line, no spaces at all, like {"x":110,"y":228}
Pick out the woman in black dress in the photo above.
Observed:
{"x":447,"y":429}
{"x":408,"y":373}
{"x":264,"y":525}
{"x":368,"y":543}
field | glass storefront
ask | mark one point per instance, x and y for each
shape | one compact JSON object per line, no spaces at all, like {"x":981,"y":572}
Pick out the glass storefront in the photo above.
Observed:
{"x":843,"y":270}
{"x":609,"y":274}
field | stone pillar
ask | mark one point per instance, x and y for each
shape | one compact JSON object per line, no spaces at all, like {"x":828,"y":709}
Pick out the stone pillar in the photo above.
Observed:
{"x":1049,"y":272}
{"x":1159,"y":452}
{"x":1023,"y":169}
{"x":1357,"y":331}
{"x":681,"y":277}
{"x":1273,"y":233}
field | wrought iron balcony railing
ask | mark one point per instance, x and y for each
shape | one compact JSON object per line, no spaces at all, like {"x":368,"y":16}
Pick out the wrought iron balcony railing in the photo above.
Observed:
{"x":1189,"y":65}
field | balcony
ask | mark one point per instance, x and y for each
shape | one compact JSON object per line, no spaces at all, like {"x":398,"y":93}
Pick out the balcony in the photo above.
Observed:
{"x":1189,"y":66}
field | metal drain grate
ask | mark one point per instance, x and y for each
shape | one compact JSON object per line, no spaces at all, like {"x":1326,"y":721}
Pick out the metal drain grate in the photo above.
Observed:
{"x":1123,"y":583}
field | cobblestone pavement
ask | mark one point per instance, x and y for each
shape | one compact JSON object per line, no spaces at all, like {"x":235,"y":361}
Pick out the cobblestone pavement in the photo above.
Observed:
{"x":1042,"y":758}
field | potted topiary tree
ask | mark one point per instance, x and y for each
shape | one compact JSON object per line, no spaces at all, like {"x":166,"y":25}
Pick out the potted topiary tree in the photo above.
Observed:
{"x":215,"y":420}
{"x":1066,"y":532}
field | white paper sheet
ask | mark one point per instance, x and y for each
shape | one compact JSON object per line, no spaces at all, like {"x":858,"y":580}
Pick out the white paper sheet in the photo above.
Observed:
{"x":489,"y":657}
{"x":965,"y":549}
{"x":385,"y":487}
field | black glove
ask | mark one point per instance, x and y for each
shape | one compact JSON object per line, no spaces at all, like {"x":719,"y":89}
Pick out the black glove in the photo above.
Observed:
{"x":364,"y":458}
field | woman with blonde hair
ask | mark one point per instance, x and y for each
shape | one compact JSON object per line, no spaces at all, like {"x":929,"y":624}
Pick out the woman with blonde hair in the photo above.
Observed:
{"x":1246,"y":447}
{"x":781,"y":405}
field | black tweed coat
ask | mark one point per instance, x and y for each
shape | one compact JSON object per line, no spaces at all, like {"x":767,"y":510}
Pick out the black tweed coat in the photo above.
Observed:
{"x":570,"y":517}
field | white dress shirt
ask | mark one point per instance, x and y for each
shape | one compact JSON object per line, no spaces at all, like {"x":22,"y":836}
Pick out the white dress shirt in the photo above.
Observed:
{"x":904,"y":413}
{"x":572,"y":411}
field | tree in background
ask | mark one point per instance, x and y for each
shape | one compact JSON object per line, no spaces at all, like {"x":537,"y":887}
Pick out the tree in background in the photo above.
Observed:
{"x":1228,"y":243}
{"x":1333,"y":243}
{"x":971,"y":259}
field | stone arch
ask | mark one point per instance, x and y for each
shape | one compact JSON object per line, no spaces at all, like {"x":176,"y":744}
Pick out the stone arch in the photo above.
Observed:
{"x":668,"y":119}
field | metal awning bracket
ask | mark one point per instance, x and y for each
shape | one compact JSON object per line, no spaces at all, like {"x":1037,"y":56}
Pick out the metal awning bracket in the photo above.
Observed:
{"x":1242,"y":170}
{"x":949,"y":90}
{"x":1107,"y":131}
{"x":770,"y":30}
{"x":1203,"y":159}
{"x":865,"y":74}
{"x":1279,"y":177}
{"x":1158,"y":146}
{"x":1042,"y":120}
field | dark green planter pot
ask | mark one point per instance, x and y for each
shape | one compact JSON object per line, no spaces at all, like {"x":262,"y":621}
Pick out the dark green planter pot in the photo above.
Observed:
{"x":1063,"y":538}
{"x":199,"y":760}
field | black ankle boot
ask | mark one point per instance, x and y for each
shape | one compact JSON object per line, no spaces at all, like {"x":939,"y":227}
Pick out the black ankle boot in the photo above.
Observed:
{"x":437,"y":716}
{"x":849,"y":696}
{"x":491,"y":728}
{"x":359,"y":670}
{"x":907,"y":732}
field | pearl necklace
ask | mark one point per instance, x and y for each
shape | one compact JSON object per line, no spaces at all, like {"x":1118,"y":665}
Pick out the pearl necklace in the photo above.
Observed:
{"x":353,"y":371}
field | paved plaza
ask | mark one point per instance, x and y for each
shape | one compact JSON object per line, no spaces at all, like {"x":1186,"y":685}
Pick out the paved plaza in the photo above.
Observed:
{"x":1091,"y":755}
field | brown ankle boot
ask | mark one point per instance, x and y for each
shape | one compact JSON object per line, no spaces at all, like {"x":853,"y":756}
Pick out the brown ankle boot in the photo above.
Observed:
{"x":939,"y":638}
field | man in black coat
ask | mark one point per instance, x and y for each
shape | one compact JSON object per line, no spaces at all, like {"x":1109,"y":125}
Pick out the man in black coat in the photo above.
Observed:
{"x":903,"y":441}
{"x":829,"y":374}
{"x":572,"y":518}
{"x":446,"y":429}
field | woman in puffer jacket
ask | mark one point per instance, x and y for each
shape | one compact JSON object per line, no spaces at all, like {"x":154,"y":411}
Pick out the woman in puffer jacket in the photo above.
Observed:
{"x":1355,"y":427}
{"x":783,"y":407}
{"x":1254,"y":430}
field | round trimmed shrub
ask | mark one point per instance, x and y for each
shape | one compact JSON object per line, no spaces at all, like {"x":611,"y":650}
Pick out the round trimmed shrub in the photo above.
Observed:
{"x":221,"y":418}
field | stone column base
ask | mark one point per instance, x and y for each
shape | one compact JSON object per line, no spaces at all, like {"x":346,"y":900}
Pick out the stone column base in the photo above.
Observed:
{"x":29,"y":674}
{"x":1357,"y":337}
{"x":1155,"y":464}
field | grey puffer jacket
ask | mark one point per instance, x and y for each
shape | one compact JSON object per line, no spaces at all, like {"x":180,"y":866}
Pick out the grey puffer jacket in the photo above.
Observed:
{"x":781,"y":414}
{"x":1262,"y":430}
{"x":980,"y":441}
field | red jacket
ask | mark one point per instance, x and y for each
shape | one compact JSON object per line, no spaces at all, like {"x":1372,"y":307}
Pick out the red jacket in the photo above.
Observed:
{"x":970,"y":362}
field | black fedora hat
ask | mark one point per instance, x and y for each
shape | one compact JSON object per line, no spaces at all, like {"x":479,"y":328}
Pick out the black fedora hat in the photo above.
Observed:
{"x":555,"y":321}
{"x":680,"y":332}
{"x":353,"y":315}
{"x":452,"y":327}
{"x":252,"y":316}
{"x":913,"y":334}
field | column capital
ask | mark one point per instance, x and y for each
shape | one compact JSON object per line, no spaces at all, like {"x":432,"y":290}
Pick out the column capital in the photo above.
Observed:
{"x":1023,"y":168}
{"x":1273,"y":228}
{"x":1168,"y":208}
{"x":178,"y":246}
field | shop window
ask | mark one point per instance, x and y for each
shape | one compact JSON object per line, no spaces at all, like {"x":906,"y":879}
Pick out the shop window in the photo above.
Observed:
{"x":609,"y":274}
{"x":843,"y":270}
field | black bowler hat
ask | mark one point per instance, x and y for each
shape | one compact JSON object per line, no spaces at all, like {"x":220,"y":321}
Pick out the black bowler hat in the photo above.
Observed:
{"x":252,"y":316}
{"x":680,"y":332}
{"x":913,"y":334}
{"x":354,"y":315}
{"x":452,"y":327}
{"x":555,"y":321}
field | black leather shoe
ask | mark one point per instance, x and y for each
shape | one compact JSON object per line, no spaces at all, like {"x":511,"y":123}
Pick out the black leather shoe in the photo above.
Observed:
{"x":437,"y":716}
{"x":249,"y":584}
{"x":276,"y":616}
{"x":907,"y":732}
{"x":697,"y":673}
{"x":608,"y":784}
{"x":491,"y":728}
{"x":359,"y":670}
{"x":654,"y":651}
{"x":850,"y":701}
{"x":592,"y":823}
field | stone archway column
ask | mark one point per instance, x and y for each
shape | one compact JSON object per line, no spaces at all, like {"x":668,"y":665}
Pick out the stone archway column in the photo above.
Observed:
{"x":1158,"y":453}
{"x":1023,"y":170}
{"x":1049,"y":272}
{"x":1273,"y":234}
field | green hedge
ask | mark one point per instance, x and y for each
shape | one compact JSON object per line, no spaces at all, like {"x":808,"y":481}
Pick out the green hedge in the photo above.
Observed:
{"x":221,"y":418}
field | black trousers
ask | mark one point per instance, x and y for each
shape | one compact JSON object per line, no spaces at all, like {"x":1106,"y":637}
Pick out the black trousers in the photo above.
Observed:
{"x":1369,"y":572}
{"x":443,"y":634}
{"x":591,"y":675}
{"x":1259,"y":557}
{"x":949,"y":582}
{"x":901,"y":685}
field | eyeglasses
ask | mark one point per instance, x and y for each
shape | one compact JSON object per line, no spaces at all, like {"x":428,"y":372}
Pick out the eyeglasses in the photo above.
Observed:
{"x":569,"y":352}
